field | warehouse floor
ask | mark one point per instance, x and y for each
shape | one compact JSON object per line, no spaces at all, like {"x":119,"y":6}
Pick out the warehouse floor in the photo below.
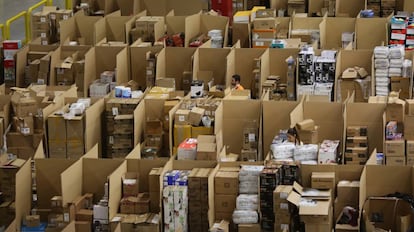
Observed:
{"x":10,"y":8}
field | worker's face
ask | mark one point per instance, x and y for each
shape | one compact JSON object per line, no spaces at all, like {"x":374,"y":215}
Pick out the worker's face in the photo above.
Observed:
{"x":233,"y":82}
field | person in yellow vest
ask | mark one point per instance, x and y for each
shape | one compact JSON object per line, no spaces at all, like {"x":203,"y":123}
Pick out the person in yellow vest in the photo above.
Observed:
{"x":235,"y":82}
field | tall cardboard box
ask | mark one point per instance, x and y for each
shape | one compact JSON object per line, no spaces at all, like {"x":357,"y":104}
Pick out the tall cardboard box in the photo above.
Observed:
{"x":226,"y":183}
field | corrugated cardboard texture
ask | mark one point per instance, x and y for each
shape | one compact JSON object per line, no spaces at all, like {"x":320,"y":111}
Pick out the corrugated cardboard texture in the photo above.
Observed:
{"x":349,"y":7}
{"x":122,"y":67}
{"x":212,"y":60}
{"x":235,"y":115}
{"x":139,"y":122}
{"x":115,"y":192}
{"x":331,"y":30}
{"x":370,"y":32}
{"x":93,"y":130}
{"x":185,"y":7}
{"x":138,"y":63}
{"x":115,"y":28}
{"x":71,"y":182}
{"x":129,"y":7}
{"x":277,"y":59}
{"x":175,"y":61}
{"x":23,"y":191}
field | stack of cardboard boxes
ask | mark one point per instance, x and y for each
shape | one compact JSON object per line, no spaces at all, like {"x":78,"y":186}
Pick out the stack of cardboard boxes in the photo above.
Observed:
{"x":70,"y":71}
{"x":297,"y":6}
{"x":154,"y":189}
{"x":269,"y":180}
{"x":119,"y":130}
{"x":394,"y":147}
{"x":59,"y":217}
{"x":264,"y":32}
{"x":133,"y":202}
{"x":356,"y":150}
{"x":66,"y":130}
{"x":198,"y":199}
{"x":143,"y":222}
{"x":308,"y":131}
{"x":102,"y":86}
{"x":55,"y":18}
{"x":282,"y":209}
{"x":175,"y":200}
{"x":409,"y":132}
{"x":226,"y":189}
{"x":206,"y":147}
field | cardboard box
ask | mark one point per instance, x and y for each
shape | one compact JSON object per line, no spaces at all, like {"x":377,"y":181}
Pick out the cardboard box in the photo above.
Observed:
{"x":249,"y":228}
{"x":395,"y":160}
{"x":357,"y":141}
{"x":195,"y":116}
{"x":395,"y":110}
{"x":280,"y":195}
{"x":84,"y":215}
{"x":352,"y":131}
{"x":181,"y":133}
{"x":410,"y":160}
{"x":226,"y":183}
{"x":205,"y":138}
{"x":154,"y":179}
{"x":306,"y":125}
{"x":410,"y":148}
{"x":309,"y":137}
{"x":130,"y":184}
{"x":83,"y":226}
{"x":409,"y":128}
{"x":206,"y":151}
{"x":264,"y":23}
{"x":409,"y":106}
{"x":225,"y":203}
{"x":394,"y":148}
{"x":56,"y":126}
{"x":32,"y":220}
{"x":348,"y":192}
{"x":182,"y":117}
{"x":248,"y":155}
{"x":323,"y":180}
{"x":128,"y":205}
{"x":201,"y":130}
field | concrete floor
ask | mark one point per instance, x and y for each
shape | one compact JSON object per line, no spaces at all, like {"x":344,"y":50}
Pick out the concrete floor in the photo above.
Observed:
{"x":9,"y":8}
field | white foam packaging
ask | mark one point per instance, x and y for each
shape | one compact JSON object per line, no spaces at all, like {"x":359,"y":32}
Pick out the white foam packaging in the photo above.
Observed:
{"x":247,"y":202}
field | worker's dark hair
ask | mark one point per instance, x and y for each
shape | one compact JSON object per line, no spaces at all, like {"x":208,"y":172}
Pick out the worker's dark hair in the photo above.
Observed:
{"x":236,"y":77}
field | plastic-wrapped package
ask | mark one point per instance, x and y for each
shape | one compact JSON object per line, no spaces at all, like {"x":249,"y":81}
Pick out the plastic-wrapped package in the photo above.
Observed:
{"x":407,"y":69}
{"x":249,"y":187}
{"x":381,"y":72}
{"x":282,"y":150}
{"x":247,"y":202}
{"x":381,"y":52}
{"x":396,"y":63}
{"x":306,"y":152}
{"x":250,"y":172}
{"x":394,"y":72}
{"x":382,"y":63}
{"x":396,"y":52}
{"x":245,"y":217}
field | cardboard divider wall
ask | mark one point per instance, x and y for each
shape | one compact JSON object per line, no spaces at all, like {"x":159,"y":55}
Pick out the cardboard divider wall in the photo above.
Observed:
{"x":80,"y":26}
{"x":211,"y":60}
{"x":331,"y":30}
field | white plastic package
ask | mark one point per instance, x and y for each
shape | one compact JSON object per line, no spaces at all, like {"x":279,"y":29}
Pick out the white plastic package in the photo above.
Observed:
{"x":396,"y":63}
{"x":306,"y":152}
{"x":282,"y":150}
{"x":250,"y":172}
{"x":381,"y":52}
{"x":249,"y":187}
{"x":245,"y":217}
{"x":382,"y":63}
{"x":394,"y":72}
{"x":396,"y":52}
{"x":247,"y":202}
{"x":381,"y":72}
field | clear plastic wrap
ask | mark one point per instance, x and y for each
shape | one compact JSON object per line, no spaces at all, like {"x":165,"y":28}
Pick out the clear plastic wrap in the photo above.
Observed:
{"x":282,"y":150}
{"x":381,"y":52}
{"x":245,"y":217}
{"x":250,"y":172}
{"x":407,"y":69}
{"x":396,"y":52}
{"x":382,"y":63}
{"x":247,"y":202}
{"x":381,"y":72}
{"x":396,"y":63}
{"x":306,"y":152}
{"x":394,"y":72}
{"x":249,"y":187}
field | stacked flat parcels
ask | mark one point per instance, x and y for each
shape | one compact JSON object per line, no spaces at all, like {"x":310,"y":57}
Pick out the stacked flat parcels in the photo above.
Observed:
{"x":347,"y":195}
{"x":70,"y":120}
{"x":102,"y":86}
{"x":175,"y":200}
{"x":247,"y":203}
{"x":264,"y":31}
{"x":356,"y":149}
{"x":41,"y":27}
{"x":269,"y":180}
{"x":119,"y":123}
{"x":328,"y":152}
{"x":394,"y":147}
{"x":315,"y":208}
{"x":148,"y":28}
{"x":226,"y":189}
{"x":297,"y":6}
{"x":283,"y":211}
{"x":409,"y":43}
{"x":289,"y":171}
{"x":316,"y":73}
{"x":198,"y":199}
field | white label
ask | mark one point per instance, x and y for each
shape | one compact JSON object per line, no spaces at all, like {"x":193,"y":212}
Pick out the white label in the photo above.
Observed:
{"x":52,"y":16}
{"x":397,"y":36}
{"x":66,"y":217}
{"x":181,"y":118}
{"x":65,"y":17}
{"x":43,"y":35}
{"x":115,"y":111}
{"x":40,"y":81}
{"x":25,"y":130}
{"x":410,"y":31}
{"x":111,"y":139}
{"x":259,"y":43}
{"x":44,"y":43}
{"x":284,"y":206}
{"x":283,"y":195}
{"x":409,"y":41}
{"x":252,"y":137}
{"x":43,"y":19}
{"x":149,"y":72}
{"x":284,"y":227}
